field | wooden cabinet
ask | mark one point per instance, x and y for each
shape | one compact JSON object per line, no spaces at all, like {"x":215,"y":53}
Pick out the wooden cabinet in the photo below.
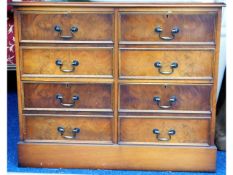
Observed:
{"x":117,"y":85}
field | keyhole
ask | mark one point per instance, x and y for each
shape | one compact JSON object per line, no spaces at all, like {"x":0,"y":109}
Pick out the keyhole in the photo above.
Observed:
{"x":165,"y":86}
{"x":67,"y":85}
{"x":167,"y":16}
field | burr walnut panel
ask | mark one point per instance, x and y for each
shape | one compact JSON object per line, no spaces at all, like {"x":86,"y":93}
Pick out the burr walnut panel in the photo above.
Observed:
{"x":186,"y":131}
{"x":141,"y":26}
{"x":99,"y":82}
{"x":89,"y":26}
{"x":89,"y":96}
{"x":142,"y":97}
{"x":90,"y":128}
{"x":91,"y":62}
{"x":191,"y":64}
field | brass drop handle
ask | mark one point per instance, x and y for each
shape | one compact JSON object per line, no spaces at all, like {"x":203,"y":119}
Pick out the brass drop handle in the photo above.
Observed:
{"x":74,"y":64}
{"x":75,"y":131}
{"x":171,"y":101}
{"x":174,"y":31}
{"x":170,"y":133}
{"x":173,"y":66}
{"x":75,"y":98}
{"x":58,"y":29}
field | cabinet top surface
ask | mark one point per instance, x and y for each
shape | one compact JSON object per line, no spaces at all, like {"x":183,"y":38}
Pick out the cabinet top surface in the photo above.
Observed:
{"x":114,"y":3}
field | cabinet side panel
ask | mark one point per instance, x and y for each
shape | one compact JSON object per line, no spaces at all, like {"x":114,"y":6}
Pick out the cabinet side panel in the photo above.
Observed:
{"x":216,"y":63}
{"x":19,"y":85}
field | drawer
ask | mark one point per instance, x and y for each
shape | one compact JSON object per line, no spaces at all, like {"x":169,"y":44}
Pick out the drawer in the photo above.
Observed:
{"x":85,"y":26}
{"x":63,"y":62}
{"x":67,"y":96}
{"x":173,"y":98}
{"x":173,"y":26}
{"x":164,"y":131}
{"x":80,"y":129}
{"x":166,"y":64}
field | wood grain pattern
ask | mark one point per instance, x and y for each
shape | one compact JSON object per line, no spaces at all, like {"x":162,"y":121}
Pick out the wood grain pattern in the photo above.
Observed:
{"x":140,"y":130}
{"x":177,"y":158}
{"x":163,"y":115}
{"x":70,"y":78}
{"x":19,"y":85}
{"x":189,"y":97}
{"x":160,"y":81}
{"x":91,"y":96}
{"x":116,"y":3}
{"x":216,"y":69}
{"x":91,"y":128}
{"x":192,"y":64}
{"x":116,"y":81}
{"x":93,"y":62}
{"x":91,"y":26}
{"x":194,"y":28}
{"x":116,"y":76}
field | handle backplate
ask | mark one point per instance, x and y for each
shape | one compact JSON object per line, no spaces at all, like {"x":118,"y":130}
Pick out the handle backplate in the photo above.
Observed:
{"x":173,"y":66}
{"x":170,"y":133}
{"x":171,"y":101}
{"x":174,"y":31}
{"x":58,"y":29}
{"x":74,"y":64}
{"x":75,"y":98}
{"x":75,"y":131}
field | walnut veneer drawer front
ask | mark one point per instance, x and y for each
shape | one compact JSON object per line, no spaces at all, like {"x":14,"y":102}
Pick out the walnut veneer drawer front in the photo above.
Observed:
{"x":177,"y":27}
{"x":164,"y":131}
{"x":152,"y":97}
{"x":117,"y":85}
{"x":65,"y":62}
{"x":79,"y":129}
{"x":87,"y":97}
{"x":86,"y":26}
{"x":166,"y":64}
